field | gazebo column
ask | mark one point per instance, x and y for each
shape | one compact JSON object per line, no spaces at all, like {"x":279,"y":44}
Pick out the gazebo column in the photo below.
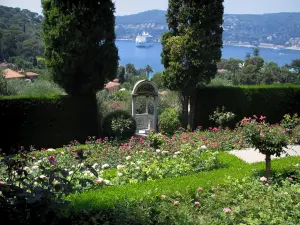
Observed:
{"x":133,"y":109}
{"x":155,"y":120}
{"x":147,"y":104}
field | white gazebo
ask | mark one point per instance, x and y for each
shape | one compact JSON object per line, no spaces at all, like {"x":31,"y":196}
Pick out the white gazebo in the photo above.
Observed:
{"x":145,"y":121}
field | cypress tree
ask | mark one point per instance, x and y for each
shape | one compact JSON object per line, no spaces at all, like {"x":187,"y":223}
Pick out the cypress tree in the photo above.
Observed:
{"x":191,"y":48}
{"x":79,"y":38}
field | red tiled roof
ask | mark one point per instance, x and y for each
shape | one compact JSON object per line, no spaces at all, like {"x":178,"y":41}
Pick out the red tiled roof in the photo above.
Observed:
{"x":4,"y":64}
{"x":8,"y":73}
{"x":30,"y":74}
{"x":112,"y":85}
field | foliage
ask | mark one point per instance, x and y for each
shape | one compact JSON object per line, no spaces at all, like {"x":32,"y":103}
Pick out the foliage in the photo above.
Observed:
{"x":121,"y":74}
{"x":220,"y":82}
{"x":107,"y":199}
{"x":86,"y":56}
{"x":46,"y":121}
{"x":221,"y":117}
{"x":296,"y":134}
{"x":21,"y":35}
{"x":191,"y":46}
{"x":290,"y":122}
{"x":119,"y":124}
{"x":169,"y":121}
{"x":157,"y":79}
{"x":148,"y":70}
{"x":147,"y":166}
{"x":37,"y":87}
{"x":269,"y":140}
{"x":273,"y":101}
{"x":34,"y":191}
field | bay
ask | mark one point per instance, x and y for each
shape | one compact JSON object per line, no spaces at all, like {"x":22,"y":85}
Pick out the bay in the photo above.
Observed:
{"x":141,"y":57}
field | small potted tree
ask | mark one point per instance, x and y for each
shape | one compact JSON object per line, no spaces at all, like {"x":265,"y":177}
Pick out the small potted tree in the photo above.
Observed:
{"x":268,"y":139}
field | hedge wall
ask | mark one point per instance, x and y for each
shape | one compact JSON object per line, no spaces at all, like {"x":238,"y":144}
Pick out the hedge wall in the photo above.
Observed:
{"x":46,"y":121}
{"x":272,"y":101}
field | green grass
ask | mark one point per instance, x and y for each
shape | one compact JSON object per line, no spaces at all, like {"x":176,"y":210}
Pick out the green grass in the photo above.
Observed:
{"x":234,"y":168}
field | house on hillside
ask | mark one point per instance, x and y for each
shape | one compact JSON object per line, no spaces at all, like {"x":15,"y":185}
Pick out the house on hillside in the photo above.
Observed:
{"x":112,"y":87}
{"x":11,"y":74}
{"x":31,"y":75}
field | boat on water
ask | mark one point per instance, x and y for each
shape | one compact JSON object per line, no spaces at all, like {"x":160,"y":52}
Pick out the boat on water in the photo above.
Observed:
{"x":145,"y":40}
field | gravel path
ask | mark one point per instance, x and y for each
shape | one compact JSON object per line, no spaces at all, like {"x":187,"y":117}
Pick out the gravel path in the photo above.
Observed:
{"x":251,"y":155}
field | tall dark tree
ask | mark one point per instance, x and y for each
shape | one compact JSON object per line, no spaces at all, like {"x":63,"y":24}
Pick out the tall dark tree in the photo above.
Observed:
{"x":191,"y":48}
{"x":79,"y":38}
{"x":121,"y":74}
{"x":130,"y":69}
{"x":256,"y":51}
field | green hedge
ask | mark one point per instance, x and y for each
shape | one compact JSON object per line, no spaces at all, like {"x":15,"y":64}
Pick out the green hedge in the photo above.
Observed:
{"x":46,"y":121}
{"x":272,"y":101}
{"x":109,"y":197}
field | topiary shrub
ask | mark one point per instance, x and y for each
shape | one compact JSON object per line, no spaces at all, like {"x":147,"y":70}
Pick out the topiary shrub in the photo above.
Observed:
{"x":169,"y":121}
{"x":119,"y":124}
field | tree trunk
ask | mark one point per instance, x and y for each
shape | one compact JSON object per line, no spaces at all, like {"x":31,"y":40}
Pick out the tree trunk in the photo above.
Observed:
{"x":268,"y":165}
{"x":192,"y":112}
{"x":185,"y":112}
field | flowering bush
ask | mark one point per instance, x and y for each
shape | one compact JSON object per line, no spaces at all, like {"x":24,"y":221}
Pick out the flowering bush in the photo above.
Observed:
{"x":221,"y":117}
{"x":290,"y":122}
{"x":145,"y":166}
{"x":268,"y":139}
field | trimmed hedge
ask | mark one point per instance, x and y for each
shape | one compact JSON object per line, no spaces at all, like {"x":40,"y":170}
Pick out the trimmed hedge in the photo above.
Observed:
{"x":107,"y":198}
{"x":46,"y":121}
{"x":272,"y":101}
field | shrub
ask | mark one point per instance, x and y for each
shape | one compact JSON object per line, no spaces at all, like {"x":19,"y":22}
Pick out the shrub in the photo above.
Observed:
{"x":169,"y":121}
{"x":290,"y":122}
{"x":272,"y":101}
{"x":46,"y":121}
{"x":119,"y":124}
{"x":221,"y":117}
{"x":269,"y":140}
{"x":296,"y":134}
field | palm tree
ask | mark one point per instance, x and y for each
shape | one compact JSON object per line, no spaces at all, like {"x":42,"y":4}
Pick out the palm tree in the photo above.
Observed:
{"x":148,"y":70}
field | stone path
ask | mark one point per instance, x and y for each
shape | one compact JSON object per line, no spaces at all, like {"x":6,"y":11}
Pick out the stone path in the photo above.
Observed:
{"x":251,"y":155}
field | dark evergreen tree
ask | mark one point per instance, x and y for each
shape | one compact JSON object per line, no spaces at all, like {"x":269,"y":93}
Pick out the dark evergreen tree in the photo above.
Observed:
{"x":256,"y":52}
{"x":192,"y":47}
{"x":121,"y":74}
{"x":79,"y":38}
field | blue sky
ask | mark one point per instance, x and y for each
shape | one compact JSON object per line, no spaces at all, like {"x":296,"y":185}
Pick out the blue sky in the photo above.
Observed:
{"x":125,"y":7}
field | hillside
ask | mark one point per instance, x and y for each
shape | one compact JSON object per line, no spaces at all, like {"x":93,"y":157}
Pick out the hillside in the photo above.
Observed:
{"x":20,"y":31}
{"x":276,"y":28}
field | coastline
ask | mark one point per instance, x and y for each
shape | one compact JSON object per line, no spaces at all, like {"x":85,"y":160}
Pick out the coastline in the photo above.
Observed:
{"x":262,"y":46}
{"x":237,"y":45}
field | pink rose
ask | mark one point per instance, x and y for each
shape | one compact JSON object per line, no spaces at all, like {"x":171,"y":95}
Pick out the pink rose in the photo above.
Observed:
{"x":263,"y":179}
{"x":196,"y":203}
{"x":200,"y":189}
{"x":163,"y":196}
{"x":227,"y":210}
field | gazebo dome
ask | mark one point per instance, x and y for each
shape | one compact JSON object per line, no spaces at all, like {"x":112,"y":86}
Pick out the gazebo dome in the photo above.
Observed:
{"x":145,"y":88}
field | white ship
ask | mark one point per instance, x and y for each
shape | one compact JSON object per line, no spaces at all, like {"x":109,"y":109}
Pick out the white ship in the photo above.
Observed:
{"x":145,"y":40}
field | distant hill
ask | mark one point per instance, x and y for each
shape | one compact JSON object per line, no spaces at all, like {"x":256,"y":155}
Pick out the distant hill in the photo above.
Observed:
{"x":20,"y":31}
{"x":276,"y":28}
{"x":151,"y":16}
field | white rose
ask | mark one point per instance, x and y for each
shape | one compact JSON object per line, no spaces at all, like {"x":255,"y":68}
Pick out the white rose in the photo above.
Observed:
{"x":158,"y":150}
{"x":104,"y":166}
{"x":120,"y":174}
{"x":128,"y":157}
{"x":203,"y":147}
